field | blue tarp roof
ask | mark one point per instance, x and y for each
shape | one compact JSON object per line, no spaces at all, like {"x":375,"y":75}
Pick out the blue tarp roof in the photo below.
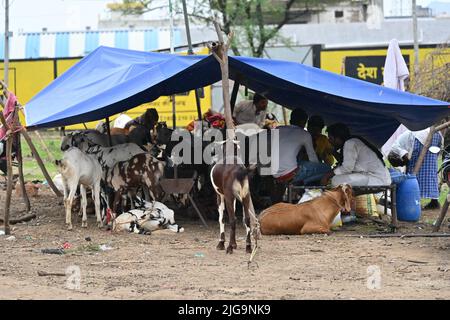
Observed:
{"x":109,"y":81}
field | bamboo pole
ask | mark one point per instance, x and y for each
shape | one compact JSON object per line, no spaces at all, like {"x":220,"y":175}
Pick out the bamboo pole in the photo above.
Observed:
{"x":40,"y":163}
{"x":21,"y":177}
{"x":108,"y":129}
{"x":424,"y":150}
{"x":9,"y":142}
{"x":220,"y":52}
{"x":50,"y":155}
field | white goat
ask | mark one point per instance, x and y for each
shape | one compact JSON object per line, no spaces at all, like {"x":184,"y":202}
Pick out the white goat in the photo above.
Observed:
{"x":78,"y":168}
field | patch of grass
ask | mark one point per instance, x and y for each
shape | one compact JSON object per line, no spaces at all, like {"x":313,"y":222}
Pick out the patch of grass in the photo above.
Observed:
{"x":31,"y":169}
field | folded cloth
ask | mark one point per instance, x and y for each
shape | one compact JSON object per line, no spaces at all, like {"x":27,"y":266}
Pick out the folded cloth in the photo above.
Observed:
{"x":7,"y":111}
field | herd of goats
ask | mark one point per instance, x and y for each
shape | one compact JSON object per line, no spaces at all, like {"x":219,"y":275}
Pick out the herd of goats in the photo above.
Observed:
{"x":119,"y":167}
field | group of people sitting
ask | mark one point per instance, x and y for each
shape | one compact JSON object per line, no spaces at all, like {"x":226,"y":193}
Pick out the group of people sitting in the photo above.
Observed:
{"x":308,"y":157}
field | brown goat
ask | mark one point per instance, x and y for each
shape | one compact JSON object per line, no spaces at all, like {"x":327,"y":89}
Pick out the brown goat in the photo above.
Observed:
{"x":115,"y":131}
{"x":315,"y":216}
{"x":231,"y":182}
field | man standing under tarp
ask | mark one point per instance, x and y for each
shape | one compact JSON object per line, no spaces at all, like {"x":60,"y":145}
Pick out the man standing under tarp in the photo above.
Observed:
{"x":405,"y":152}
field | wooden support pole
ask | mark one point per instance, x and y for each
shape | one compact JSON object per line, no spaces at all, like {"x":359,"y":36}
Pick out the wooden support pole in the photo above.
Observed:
{"x":21,"y":177}
{"x":220,"y":52}
{"x":40,"y":163}
{"x":234,"y":95}
{"x":424,"y":150}
{"x":443,"y":126}
{"x":444,"y":209}
{"x":50,"y":156}
{"x":108,"y":129}
{"x":9,"y":142}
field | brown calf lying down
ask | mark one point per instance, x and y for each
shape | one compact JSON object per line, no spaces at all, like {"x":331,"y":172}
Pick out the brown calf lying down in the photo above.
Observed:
{"x":315,"y":216}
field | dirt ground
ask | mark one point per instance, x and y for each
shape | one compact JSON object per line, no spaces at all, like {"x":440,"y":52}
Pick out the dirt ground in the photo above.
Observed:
{"x":167,"y":265}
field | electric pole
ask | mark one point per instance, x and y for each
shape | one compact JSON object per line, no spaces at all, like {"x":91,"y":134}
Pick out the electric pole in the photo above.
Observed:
{"x":6,"y":55}
{"x":416,"y":41}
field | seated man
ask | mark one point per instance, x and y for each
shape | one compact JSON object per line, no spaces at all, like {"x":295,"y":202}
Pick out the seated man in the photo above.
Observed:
{"x":405,"y":152}
{"x":322,"y":145}
{"x":292,"y":139}
{"x":359,"y":162}
{"x":251,"y":111}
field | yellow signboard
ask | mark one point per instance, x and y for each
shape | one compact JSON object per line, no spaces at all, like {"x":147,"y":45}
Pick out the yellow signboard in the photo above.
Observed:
{"x":28,"y":77}
{"x":367,"y":64}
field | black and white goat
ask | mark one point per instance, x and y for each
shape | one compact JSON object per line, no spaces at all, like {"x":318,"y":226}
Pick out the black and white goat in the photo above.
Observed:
{"x":148,"y":217}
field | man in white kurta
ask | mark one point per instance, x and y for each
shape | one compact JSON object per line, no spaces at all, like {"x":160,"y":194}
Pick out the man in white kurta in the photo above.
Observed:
{"x":251,"y":111}
{"x":361,"y":163}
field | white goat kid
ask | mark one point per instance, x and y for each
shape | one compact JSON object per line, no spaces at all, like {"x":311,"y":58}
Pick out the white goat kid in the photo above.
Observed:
{"x":78,"y":168}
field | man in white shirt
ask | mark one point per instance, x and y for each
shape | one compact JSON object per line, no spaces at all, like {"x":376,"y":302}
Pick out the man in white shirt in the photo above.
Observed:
{"x":251,"y":111}
{"x":359,"y":162}
{"x":405,"y":152}
{"x":292,"y":139}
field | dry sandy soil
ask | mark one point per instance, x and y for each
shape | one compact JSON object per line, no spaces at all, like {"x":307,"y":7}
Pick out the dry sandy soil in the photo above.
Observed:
{"x":166,"y":265}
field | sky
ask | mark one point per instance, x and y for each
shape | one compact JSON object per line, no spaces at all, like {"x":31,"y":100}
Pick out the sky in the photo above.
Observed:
{"x":59,"y":15}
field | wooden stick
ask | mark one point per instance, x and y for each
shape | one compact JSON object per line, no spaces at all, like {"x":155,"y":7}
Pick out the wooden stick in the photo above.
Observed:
{"x":50,"y":155}
{"x":442,"y":215}
{"x":9,"y":142}
{"x":108,"y":129}
{"x":21,"y":177}
{"x":443,"y":126}
{"x":424,"y":150}
{"x":25,"y":218}
{"x":40,"y":163}
{"x":397,"y":235}
{"x":111,"y":262}
{"x":46,"y":274}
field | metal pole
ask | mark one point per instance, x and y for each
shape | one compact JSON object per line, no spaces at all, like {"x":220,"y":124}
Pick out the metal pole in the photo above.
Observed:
{"x":190,"y":51}
{"x":188,"y":31}
{"x":6,"y":54}
{"x":172,"y":51}
{"x":416,"y":41}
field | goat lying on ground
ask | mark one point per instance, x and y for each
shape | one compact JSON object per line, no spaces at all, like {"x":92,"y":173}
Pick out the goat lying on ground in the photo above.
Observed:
{"x":231,"y":182}
{"x":315,"y":216}
{"x":146,"y":220}
{"x":78,"y":168}
{"x":142,"y":169}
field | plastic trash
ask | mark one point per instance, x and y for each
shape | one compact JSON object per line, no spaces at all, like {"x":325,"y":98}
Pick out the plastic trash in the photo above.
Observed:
{"x":11,"y":238}
{"x":199,"y":255}
{"x":67,"y":245}
{"x":105,"y":247}
{"x":348,"y":218}
{"x":2,"y":232}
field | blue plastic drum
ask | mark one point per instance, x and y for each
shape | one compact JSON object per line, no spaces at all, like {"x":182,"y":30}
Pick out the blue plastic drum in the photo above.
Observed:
{"x":408,"y":199}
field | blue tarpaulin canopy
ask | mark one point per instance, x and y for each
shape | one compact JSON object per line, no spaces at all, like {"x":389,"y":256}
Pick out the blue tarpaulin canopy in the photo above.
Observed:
{"x":109,"y":81}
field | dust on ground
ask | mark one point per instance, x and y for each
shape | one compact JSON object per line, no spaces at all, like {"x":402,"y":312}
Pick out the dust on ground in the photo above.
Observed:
{"x":167,"y":265}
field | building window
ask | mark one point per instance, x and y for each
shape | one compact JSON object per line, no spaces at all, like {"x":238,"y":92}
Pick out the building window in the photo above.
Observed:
{"x":338,"y":14}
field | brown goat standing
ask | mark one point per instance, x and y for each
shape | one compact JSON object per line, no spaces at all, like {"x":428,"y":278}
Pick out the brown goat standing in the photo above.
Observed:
{"x":231,"y":182}
{"x":315,"y":216}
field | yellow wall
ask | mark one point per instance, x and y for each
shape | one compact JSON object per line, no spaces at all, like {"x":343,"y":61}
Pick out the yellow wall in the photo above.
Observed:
{"x":332,"y":60}
{"x":27,"y":78}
